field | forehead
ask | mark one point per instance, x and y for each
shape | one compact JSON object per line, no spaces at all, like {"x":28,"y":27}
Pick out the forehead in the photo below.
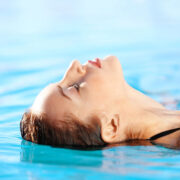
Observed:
{"x":51,"y":102}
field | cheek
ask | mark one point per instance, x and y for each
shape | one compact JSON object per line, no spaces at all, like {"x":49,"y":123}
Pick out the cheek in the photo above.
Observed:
{"x":98,"y":82}
{"x":100,"y":88}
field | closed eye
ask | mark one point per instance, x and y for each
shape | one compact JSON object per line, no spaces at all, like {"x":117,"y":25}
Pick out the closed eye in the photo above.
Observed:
{"x":62,"y":93}
{"x":76,"y":86}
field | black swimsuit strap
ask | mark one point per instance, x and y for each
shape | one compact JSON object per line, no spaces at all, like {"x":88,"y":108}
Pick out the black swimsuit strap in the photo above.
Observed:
{"x":164,"y":133}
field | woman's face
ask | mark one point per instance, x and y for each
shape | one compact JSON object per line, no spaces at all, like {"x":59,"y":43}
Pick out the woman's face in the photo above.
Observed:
{"x":85,"y":90}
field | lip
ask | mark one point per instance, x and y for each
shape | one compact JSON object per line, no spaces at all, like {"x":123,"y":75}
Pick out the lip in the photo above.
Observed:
{"x":96,"y":62}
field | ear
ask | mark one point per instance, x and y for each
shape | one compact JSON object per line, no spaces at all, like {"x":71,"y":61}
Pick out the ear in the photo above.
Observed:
{"x":110,"y":129}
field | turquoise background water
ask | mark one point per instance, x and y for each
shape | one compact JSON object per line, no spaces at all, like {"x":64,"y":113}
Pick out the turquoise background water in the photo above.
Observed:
{"x":38,"y":40}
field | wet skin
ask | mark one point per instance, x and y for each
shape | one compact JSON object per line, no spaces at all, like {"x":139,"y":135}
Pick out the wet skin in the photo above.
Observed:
{"x":89,"y":90}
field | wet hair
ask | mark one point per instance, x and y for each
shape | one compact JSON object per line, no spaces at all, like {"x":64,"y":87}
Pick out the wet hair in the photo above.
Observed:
{"x":67,"y":132}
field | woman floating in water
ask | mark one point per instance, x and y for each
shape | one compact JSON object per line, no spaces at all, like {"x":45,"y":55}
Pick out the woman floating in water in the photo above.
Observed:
{"x":93,"y":106}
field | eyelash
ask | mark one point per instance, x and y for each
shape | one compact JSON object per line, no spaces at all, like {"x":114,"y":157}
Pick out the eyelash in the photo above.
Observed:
{"x":76,"y":86}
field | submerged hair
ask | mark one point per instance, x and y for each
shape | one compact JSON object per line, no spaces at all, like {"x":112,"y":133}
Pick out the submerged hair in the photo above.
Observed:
{"x":67,"y":132}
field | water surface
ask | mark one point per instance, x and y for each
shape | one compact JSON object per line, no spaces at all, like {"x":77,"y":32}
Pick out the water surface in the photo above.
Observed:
{"x":38,"y":40}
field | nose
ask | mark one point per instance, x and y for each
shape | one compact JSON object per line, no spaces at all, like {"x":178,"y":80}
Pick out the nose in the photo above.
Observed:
{"x":75,"y":71}
{"x":76,"y":67}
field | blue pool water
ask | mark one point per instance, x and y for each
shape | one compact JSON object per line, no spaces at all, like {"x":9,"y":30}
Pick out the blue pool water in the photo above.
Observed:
{"x":38,"y":40}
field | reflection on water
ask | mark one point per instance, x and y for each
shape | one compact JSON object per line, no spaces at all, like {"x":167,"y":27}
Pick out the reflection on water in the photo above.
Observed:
{"x":118,"y":160}
{"x":31,"y":152}
{"x":38,"y":40}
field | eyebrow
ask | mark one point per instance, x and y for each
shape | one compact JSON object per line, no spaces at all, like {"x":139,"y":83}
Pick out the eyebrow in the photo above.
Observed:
{"x":62,"y":93}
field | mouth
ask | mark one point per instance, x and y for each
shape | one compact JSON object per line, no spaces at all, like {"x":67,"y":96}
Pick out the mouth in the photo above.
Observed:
{"x":96,"y":62}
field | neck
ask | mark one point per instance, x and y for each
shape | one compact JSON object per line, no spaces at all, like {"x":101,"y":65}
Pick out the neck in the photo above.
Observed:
{"x":146,"y":117}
